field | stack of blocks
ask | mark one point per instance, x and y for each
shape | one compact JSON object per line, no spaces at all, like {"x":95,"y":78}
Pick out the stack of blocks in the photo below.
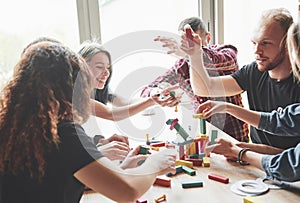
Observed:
{"x":193,"y":149}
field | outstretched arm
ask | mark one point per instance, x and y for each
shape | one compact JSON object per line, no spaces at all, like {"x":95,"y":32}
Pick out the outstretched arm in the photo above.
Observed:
{"x":119,"y":113}
{"x":127,"y":185}
{"x":279,"y":123}
{"x":201,"y":82}
{"x":283,"y":166}
{"x":209,"y":108}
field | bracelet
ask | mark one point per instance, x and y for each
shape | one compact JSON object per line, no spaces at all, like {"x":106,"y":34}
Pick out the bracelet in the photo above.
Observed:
{"x":240,"y":156}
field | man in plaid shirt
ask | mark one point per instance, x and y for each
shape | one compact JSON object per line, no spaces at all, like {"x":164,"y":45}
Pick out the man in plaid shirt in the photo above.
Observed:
{"x":218,"y":60}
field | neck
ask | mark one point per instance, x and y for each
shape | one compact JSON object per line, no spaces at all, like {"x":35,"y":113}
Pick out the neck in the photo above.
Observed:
{"x":281,"y":72}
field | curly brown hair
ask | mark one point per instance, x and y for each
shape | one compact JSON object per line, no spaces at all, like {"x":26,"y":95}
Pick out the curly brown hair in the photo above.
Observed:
{"x":51,"y":84}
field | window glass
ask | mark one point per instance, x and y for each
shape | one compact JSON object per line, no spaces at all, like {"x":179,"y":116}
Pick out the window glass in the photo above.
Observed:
{"x":121,"y":20}
{"x":240,"y":23}
{"x":24,"y":21}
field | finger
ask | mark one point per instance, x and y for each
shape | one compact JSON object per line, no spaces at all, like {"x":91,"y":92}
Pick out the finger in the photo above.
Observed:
{"x":120,"y":145}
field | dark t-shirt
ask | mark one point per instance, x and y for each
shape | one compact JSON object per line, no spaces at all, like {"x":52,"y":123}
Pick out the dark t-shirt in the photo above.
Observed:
{"x":266,"y":94}
{"x":75,"y":151}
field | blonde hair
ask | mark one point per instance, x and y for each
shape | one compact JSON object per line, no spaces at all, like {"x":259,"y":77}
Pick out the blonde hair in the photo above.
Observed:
{"x":293,"y":44}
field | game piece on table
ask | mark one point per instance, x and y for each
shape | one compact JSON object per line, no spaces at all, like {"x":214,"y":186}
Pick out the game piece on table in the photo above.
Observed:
{"x":218,"y":178}
{"x":192,"y":184}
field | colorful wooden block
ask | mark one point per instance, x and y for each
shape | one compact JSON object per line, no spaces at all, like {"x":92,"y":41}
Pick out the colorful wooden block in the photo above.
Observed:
{"x":158,"y":144}
{"x":199,"y":115}
{"x":163,"y":181}
{"x":184,"y":163}
{"x":206,"y":162}
{"x":160,"y":199}
{"x":191,"y":184}
{"x":213,"y":136}
{"x":202,"y":126}
{"x":144,"y":150}
{"x":218,"y":178}
{"x":188,"y":170}
{"x":250,"y":199}
{"x":141,"y":200}
{"x":178,"y":170}
{"x":196,"y":162}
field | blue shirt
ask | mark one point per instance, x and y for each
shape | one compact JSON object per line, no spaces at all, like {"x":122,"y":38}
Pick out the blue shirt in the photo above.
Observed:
{"x":286,"y":165}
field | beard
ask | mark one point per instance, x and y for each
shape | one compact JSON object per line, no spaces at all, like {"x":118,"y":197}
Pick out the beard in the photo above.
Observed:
{"x":279,"y":58}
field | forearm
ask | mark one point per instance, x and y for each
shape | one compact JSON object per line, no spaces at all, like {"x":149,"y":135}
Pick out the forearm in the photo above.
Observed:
{"x":253,"y":159}
{"x":119,"y":113}
{"x":260,"y":148}
{"x":200,"y":80}
{"x":246,"y":115}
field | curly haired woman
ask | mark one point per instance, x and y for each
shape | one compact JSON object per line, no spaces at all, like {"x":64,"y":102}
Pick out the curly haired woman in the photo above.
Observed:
{"x":45,"y":155}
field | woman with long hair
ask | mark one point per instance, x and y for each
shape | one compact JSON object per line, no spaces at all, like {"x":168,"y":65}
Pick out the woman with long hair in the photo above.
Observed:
{"x":45,"y":155}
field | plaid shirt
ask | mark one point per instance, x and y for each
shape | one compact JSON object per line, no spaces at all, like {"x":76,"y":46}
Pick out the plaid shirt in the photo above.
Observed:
{"x":218,"y":60}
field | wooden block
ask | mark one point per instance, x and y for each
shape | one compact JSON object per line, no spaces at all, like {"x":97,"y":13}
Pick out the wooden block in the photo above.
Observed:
{"x":192,"y":148}
{"x":159,"y":144}
{"x":188,"y":170}
{"x":191,"y":184}
{"x":202,"y":126}
{"x":144,"y":150}
{"x":206,"y":161}
{"x":199,"y":115}
{"x":218,"y":178}
{"x":163,"y":181}
{"x":250,"y":199}
{"x":141,"y":200}
{"x":160,"y":199}
{"x":184,"y":163}
{"x":196,"y":162}
{"x":213,"y":136}
{"x":178,"y":170}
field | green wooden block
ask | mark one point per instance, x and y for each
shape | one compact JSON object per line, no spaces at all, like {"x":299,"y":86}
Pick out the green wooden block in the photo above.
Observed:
{"x":214,"y":136}
{"x":143,"y":150}
{"x":192,"y":184}
{"x":172,"y":94}
{"x":202,"y":126}
{"x":188,"y":170}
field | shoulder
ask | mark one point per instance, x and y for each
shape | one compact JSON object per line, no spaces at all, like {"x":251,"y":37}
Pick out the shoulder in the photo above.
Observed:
{"x":69,"y":130}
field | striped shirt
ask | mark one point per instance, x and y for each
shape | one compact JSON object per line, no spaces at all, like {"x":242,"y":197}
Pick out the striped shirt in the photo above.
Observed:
{"x":218,"y":60}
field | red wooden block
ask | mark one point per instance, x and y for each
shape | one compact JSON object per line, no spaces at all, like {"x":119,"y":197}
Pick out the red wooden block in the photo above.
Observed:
{"x":163,"y":181}
{"x":159,"y":144}
{"x":219,"y":178}
{"x":196,"y":162}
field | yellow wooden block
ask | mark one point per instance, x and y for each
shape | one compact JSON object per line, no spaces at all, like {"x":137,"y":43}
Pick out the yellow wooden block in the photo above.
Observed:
{"x":203,"y":136}
{"x":199,"y":115}
{"x":206,"y":161}
{"x":250,"y":199}
{"x":184,"y":163}
{"x":192,"y":148}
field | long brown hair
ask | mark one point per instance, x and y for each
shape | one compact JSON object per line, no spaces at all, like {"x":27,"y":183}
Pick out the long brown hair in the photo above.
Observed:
{"x":39,"y":96}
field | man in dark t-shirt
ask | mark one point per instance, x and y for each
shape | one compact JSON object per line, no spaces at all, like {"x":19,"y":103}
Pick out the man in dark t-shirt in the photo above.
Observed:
{"x":268,"y":81}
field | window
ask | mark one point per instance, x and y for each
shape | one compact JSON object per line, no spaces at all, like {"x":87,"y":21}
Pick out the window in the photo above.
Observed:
{"x":240,"y":23}
{"x":121,"y":20}
{"x":24,"y":21}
